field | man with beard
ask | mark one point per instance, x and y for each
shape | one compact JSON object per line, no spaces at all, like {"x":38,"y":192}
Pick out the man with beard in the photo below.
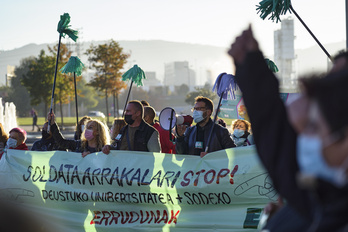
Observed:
{"x":137,"y":135}
{"x":193,"y":140}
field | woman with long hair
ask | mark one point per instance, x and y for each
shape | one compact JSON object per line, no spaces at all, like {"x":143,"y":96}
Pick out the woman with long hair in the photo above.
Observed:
{"x":93,"y":138}
{"x":3,"y":137}
{"x":117,"y":125}
{"x":81,"y":126}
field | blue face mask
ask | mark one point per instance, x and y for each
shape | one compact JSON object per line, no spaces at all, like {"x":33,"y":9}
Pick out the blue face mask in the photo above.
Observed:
{"x":312,"y":163}
{"x":11,"y":143}
{"x":197,"y":116}
{"x":238,"y":133}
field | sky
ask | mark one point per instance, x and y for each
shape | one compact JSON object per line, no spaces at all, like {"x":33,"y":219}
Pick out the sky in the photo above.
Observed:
{"x":209,"y":22}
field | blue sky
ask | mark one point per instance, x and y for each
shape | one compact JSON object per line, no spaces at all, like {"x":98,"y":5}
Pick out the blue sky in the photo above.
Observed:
{"x":194,"y":21}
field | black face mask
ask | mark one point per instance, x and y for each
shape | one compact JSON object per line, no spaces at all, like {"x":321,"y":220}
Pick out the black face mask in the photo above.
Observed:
{"x":128,"y":119}
{"x":44,"y":134}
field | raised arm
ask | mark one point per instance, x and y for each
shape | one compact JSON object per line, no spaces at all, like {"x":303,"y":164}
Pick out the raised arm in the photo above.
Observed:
{"x":63,"y":143}
{"x":274,"y":137}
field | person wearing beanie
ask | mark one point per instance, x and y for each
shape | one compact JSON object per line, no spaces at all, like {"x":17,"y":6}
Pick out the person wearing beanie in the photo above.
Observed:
{"x":17,"y":138}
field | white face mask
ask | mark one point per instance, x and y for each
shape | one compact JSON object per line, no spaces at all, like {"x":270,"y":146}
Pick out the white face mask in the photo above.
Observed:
{"x":11,"y":143}
{"x":311,"y":161}
{"x":197,"y":116}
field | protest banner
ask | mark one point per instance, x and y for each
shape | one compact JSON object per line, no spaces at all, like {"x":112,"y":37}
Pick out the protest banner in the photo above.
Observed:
{"x":139,"y":191}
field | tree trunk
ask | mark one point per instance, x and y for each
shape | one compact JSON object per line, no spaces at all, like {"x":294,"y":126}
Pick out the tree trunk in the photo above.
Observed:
{"x":118,"y":107}
{"x":114,"y":96}
{"x":107,"y":106}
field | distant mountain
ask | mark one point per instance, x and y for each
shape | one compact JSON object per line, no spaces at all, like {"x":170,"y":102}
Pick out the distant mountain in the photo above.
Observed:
{"x":207,"y":61}
{"x":313,"y":59}
{"x":13,"y":57}
{"x":149,"y":55}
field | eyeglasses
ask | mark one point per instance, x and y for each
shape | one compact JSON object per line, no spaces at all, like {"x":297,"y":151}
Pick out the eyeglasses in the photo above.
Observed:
{"x":198,"y":108}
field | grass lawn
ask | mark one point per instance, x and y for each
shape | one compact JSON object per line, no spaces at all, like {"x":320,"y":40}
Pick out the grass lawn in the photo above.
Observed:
{"x":68,"y":121}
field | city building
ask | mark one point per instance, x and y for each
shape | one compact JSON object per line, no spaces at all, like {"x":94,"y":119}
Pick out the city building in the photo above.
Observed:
{"x":178,"y":73}
{"x":9,"y":74}
{"x":150,"y":81}
{"x":284,"y":54}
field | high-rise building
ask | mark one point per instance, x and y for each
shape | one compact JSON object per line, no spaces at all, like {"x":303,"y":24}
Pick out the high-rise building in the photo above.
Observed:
{"x":150,"y":81}
{"x":284,"y":53}
{"x":9,"y":74}
{"x":178,"y":73}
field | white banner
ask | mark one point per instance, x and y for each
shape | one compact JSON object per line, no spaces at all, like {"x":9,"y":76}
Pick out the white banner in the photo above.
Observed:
{"x":140,"y":191}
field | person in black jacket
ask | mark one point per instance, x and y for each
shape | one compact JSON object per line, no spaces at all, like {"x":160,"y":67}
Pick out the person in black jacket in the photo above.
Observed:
{"x":193,"y":140}
{"x":137,"y":135}
{"x":307,"y":163}
{"x":93,"y":138}
{"x":47,"y":142}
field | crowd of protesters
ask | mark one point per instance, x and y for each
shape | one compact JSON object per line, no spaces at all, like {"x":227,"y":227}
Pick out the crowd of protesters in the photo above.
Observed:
{"x":303,"y":145}
{"x":138,"y":130}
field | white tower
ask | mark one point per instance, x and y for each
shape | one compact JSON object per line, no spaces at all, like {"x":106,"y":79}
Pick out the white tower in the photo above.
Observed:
{"x":284,"y":53}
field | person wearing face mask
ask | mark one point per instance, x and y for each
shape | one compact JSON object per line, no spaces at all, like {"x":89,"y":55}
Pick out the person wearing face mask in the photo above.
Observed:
{"x":93,"y":138}
{"x":241,"y":135}
{"x":307,"y":159}
{"x":47,"y":142}
{"x":193,"y":140}
{"x":340,"y":62}
{"x":17,"y":138}
{"x":81,"y":126}
{"x":137,"y":135}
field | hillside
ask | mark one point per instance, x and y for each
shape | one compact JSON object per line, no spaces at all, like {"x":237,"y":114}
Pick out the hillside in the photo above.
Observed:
{"x":149,"y":55}
{"x":153,"y":54}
